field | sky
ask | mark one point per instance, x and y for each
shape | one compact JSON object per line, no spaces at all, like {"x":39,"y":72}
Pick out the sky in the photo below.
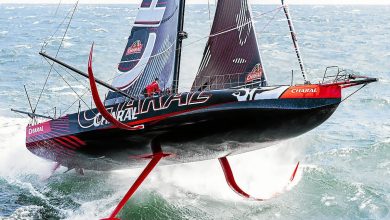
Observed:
{"x":320,"y":2}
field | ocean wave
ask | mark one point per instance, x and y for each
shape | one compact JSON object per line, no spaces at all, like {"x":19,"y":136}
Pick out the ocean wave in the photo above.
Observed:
{"x":3,"y":33}
{"x":66,"y":44}
{"x":26,"y":46}
{"x":64,"y":88}
{"x":336,"y":190}
{"x":100,"y":30}
{"x":26,"y":212}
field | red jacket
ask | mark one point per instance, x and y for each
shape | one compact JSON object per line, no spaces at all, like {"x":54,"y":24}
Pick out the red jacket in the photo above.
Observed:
{"x":152,"y":88}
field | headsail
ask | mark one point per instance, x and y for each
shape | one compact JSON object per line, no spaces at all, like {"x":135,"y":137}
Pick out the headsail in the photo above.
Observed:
{"x":231,"y":57}
{"x":150,"y":51}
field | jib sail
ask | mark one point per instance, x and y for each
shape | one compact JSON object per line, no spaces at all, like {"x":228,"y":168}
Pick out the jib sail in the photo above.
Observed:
{"x":231,"y":57}
{"x":150,"y":50}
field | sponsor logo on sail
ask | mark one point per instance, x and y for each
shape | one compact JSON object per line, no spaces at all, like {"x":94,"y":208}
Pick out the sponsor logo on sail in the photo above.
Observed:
{"x":256,"y":73}
{"x":136,"y":47}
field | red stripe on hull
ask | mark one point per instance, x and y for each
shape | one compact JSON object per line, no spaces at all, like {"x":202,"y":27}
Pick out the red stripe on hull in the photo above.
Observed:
{"x":76,"y":145}
{"x":64,"y":144}
{"x":77,"y":140}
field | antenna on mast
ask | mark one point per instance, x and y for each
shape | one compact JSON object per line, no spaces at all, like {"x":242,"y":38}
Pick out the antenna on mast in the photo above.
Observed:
{"x":28,"y":99}
{"x":33,"y":117}
{"x":295,"y":41}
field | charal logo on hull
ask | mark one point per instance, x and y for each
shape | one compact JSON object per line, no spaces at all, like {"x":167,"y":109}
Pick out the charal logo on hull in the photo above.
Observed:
{"x":133,"y":110}
{"x":122,"y":115}
{"x":310,"y":90}
{"x":43,"y":128}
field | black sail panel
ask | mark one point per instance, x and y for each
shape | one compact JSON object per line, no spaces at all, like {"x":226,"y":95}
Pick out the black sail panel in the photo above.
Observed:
{"x":231,"y":57}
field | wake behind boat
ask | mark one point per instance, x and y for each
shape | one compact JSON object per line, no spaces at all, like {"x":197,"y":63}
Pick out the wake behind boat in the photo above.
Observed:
{"x":230,"y":109}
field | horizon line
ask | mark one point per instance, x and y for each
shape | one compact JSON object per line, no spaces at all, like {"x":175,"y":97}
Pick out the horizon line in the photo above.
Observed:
{"x":197,"y":3}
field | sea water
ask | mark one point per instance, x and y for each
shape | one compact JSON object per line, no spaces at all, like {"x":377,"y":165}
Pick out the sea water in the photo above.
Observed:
{"x":345,"y":165}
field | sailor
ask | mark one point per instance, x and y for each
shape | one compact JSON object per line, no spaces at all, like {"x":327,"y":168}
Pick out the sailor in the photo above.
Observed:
{"x":153,"y":88}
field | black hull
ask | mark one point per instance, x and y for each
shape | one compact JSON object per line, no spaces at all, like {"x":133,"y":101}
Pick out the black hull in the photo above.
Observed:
{"x":219,"y":127}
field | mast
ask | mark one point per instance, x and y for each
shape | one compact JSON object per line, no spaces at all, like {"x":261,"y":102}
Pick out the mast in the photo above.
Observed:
{"x":181,"y":35}
{"x":295,"y":41}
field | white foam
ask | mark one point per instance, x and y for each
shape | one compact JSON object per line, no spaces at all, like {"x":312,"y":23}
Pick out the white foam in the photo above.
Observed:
{"x":3,"y":33}
{"x":263,"y":174}
{"x":25,"y":213}
{"x":67,"y":44}
{"x":100,"y":30}
{"x":15,"y":159}
{"x":23,"y":46}
{"x":62,"y":88}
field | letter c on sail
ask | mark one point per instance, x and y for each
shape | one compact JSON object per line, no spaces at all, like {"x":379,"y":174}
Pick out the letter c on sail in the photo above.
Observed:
{"x":124,"y":80}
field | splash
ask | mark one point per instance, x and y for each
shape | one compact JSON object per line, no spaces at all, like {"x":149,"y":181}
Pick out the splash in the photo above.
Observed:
{"x":15,"y":159}
{"x":264,"y":173}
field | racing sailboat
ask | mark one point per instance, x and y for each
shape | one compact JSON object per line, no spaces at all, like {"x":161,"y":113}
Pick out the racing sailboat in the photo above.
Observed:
{"x":230,"y":109}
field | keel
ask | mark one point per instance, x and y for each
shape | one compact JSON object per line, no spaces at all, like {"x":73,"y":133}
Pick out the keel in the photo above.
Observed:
{"x":152,"y":164}
{"x":99,"y":104}
{"x":233,"y":184}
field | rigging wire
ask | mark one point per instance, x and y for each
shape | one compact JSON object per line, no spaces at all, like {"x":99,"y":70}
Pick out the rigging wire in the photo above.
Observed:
{"x":75,"y":78}
{"x":66,"y":110}
{"x":58,"y":6}
{"x":250,"y":21}
{"x":79,"y":98}
{"x":67,"y":83}
{"x":227,"y":30}
{"x":46,"y":42}
{"x":88,"y":89}
{"x":270,"y":21}
{"x":364,"y":85}
{"x":58,"y":50}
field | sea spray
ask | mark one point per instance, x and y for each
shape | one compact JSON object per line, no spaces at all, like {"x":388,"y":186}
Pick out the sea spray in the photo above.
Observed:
{"x":263,"y":174}
{"x":15,"y":159}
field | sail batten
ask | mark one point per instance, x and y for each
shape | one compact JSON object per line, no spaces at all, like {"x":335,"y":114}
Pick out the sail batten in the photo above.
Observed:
{"x":231,"y":57}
